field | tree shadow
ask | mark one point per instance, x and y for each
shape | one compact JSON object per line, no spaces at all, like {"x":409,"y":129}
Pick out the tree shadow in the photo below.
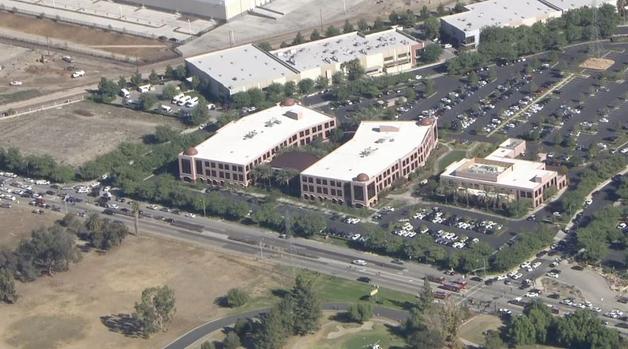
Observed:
{"x":124,"y":324}
{"x":402,"y":304}
{"x":221,"y":301}
{"x":342,"y":316}
{"x":280,"y":292}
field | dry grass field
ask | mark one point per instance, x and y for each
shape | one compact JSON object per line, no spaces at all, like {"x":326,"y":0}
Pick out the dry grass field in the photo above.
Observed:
{"x":597,"y":63}
{"x":18,"y":222}
{"x":69,"y":310}
{"x":79,"y":132}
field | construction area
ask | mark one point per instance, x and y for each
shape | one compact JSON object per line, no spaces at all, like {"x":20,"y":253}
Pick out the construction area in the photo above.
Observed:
{"x":597,"y":63}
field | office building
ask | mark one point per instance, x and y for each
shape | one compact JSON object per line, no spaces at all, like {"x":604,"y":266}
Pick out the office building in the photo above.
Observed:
{"x":380,"y":153}
{"x":502,"y":175}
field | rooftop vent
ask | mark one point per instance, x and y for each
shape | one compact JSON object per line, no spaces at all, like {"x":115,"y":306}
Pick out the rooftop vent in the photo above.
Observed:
{"x":294,"y":114}
{"x":272,"y":122}
{"x":368,"y":151}
{"x":250,"y":135}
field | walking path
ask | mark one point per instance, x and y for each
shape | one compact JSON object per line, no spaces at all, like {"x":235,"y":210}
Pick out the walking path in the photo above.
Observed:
{"x":203,"y":330}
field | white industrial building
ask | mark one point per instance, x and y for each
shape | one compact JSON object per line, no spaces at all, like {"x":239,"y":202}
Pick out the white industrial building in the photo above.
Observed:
{"x":240,"y":68}
{"x":464,"y":28}
{"x":217,"y":9}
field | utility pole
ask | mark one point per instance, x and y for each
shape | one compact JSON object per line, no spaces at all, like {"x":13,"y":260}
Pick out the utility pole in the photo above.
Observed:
{"x":320,"y":11}
{"x":136,"y":215}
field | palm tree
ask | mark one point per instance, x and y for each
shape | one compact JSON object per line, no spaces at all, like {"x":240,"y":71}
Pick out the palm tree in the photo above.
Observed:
{"x":621,"y":7}
{"x":263,"y":172}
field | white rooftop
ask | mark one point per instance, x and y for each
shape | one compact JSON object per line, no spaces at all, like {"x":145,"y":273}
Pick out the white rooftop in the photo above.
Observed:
{"x":498,"y":13}
{"x":238,"y":66}
{"x":341,"y":48}
{"x":565,"y":5}
{"x":370,"y":151}
{"x":244,"y":140}
{"x":522,"y":175}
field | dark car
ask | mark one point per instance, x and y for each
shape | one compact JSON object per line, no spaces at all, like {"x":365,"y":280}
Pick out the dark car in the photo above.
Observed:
{"x":397,"y":261}
{"x":364,"y":279}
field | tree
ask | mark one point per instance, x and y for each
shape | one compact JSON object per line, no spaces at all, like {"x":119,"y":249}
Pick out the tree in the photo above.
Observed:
{"x":621,"y":7}
{"x":431,"y":53}
{"x":338,"y":78}
{"x":493,"y":340}
{"x":289,"y":88}
{"x":426,"y":339}
{"x":241,"y":100}
{"x":315,"y":35}
{"x":331,"y":31}
{"x":394,"y":17}
{"x":7,"y":286}
{"x":236,"y":297}
{"x":199,"y":114}
{"x":378,"y":24}
{"x":107,"y":90}
{"x":136,"y":79}
{"x":522,"y":331}
{"x":322,"y":82}
{"x":306,"y":86}
{"x":47,"y":251}
{"x":298,"y":39}
{"x":263,"y":173}
{"x":265,"y":46}
{"x":147,"y":101}
{"x":273,"y":330}
{"x":231,"y":341}
{"x":155,"y":309}
{"x":348,"y":27}
{"x":363,"y":26}
{"x":440,"y":10}
{"x":426,"y":297}
{"x":428,"y":87}
{"x":431,"y":27}
{"x":181,"y":72}
{"x":459,"y":7}
{"x":354,"y":69}
{"x":122,"y":83}
{"x":425,"y":12}
{"x":153,"y":78}
{"x":207,"y":345}
{"x":360,"y":312}
{"x":307,"y":306}
{"x":168,"y":92}
{"x":307,"y":224}
{"x":473,"y":79}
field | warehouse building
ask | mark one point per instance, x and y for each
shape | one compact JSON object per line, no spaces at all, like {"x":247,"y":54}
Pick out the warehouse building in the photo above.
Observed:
{"x":240,"y":68}
{"x":380,"y":153}
{"x":229,"y":156}
{"x":502,"y":175}
{"x":464,"y":28}
{"x":216,"y":9}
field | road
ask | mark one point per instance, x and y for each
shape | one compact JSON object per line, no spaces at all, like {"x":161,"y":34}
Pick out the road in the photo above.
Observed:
{"x":323,"y":257}
{"x":199,"y":332}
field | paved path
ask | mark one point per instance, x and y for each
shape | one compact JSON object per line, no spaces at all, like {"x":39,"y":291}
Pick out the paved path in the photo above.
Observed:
{"x":201,"y":331}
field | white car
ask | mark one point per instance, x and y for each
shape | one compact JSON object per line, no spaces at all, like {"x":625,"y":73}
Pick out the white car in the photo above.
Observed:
{"x":15,"y":83}
{"x":502,"y":277}
{"x":532,"y":295}
{"x":352,"y":220}
{"x":189,"y":215}
{"x":359,"y":262}
{"x":552,"y":275}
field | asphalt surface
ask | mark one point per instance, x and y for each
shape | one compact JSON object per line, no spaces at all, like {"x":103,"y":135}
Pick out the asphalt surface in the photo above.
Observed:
{"x":194,"y":335}
{"x":321,"y":257}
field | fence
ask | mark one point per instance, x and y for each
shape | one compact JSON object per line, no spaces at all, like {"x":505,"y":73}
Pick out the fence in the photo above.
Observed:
{"x":9,"y":114}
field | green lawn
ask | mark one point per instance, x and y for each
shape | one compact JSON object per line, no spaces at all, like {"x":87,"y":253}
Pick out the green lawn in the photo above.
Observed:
{"x":453,"y":156}
{"x":380,"y":334}
{"x":332,"y":290}
{"x":474,"y":329}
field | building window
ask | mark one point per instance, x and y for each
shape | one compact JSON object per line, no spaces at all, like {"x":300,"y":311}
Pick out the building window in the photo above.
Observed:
{"x":324,"y":182}
{"x":199,"y":167}
{"x":213,"y":165}
{"x":311,"y":188}
{"x":220,"y":167}
{"x":241,"y":178}
{"x":221,"y":174}
{"x":186,"y":166}
{"x":318,"y":190}
{"x":227,"y":175}
{"x":213,"y":173}
{"x":318,"y":181}
{"x":234,"y":168}
{"x":333,"y":192}
{"x":325,"y":191}
{"x":358,"y":193}
{"x":304,"y":187}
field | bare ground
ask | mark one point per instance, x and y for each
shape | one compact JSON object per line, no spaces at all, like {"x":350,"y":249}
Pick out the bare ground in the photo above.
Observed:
{"x":70,"y":310}
{"x":18,"y":222}
{"x":88,"y":36}
{"x":79,"y":132}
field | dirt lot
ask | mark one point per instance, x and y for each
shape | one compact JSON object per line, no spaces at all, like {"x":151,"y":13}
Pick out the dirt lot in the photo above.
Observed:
{"x":79,"y":132}
{"x":24,"y":64}
{"x":66,"y":311}
{"x":88,"y":36}
{"x":19,"y":222}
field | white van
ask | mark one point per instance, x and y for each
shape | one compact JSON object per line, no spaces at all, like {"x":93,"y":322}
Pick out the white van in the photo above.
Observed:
{"x":176,"y":99}
{"x":184,"y":100}
{"x":166,"y":108}
{"x":124,"y":92}
{"x":211,"y":106}
{"x":144,"y":88}
{"x":78,"y":74}
{"x":192,"y":102}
